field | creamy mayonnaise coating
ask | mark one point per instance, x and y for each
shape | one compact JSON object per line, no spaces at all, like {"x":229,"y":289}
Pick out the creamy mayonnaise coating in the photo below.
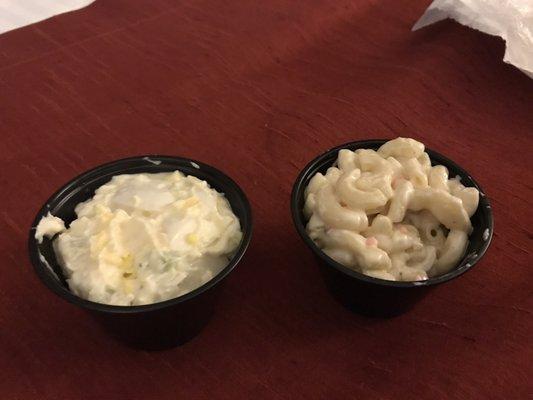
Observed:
{"x":146,"y":238}
{"x":48,"y":226}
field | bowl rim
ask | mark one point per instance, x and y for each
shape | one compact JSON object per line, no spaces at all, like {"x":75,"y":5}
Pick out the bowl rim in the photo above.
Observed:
{"x":311,"y":168}
{"x":224,"y":181}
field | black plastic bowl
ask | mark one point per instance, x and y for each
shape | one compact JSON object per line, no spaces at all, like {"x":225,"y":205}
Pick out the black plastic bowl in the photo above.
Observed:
{"x":378,"y":297}
{"x":152,"y":326}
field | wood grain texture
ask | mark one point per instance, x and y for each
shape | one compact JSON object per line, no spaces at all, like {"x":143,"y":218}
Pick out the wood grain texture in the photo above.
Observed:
{"x":257,"y":89}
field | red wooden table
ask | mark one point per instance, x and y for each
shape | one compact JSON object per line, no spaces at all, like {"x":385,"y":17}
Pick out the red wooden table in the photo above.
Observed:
{"x":258,"y":88}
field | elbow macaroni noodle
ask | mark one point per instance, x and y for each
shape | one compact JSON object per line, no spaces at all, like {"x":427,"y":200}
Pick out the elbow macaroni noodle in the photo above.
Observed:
{"x":389,"y":214}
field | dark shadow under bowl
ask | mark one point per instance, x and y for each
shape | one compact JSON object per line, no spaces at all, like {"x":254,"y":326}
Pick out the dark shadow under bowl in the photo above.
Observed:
{"x":378,"y":297}
{"x":152,"y":326}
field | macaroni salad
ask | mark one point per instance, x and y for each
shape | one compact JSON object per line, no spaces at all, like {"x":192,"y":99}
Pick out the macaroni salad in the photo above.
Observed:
{"x":389,"y":213}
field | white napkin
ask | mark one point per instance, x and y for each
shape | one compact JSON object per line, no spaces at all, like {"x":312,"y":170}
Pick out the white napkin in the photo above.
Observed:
{"x":17,"y":13}
{"x":510,"y":19}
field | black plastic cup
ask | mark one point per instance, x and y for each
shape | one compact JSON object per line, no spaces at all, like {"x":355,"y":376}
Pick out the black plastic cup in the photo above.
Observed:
{"x":378,"y":297}
{"x":153,"y":326}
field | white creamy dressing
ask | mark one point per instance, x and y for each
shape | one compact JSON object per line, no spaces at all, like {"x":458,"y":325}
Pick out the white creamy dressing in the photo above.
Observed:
{"x":48,"y":226}
{"x":145,"y":238}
